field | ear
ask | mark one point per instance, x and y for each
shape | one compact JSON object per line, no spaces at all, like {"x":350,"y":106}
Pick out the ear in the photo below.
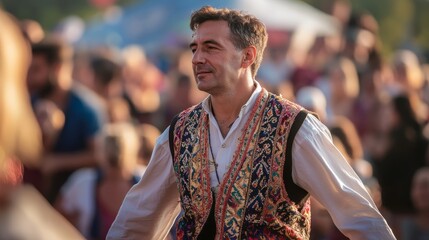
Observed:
{"x":249,"y":56}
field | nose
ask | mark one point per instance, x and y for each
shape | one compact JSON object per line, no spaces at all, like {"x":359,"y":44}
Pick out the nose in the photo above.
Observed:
{"x":198,"y":57}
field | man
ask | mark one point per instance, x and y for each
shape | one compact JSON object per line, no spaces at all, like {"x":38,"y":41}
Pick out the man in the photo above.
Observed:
{"x":240,"y":172}
{"x":49,"y":79}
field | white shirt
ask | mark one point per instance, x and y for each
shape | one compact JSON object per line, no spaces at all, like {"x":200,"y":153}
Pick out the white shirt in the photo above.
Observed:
{"x":151,"y":206}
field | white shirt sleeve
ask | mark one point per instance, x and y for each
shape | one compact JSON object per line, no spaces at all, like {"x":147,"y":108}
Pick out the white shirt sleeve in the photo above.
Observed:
{"x":151,"y":206}
{"x":319,"y":168}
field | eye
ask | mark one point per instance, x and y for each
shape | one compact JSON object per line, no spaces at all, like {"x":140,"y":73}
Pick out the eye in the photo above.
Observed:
{"x":211,"y":47}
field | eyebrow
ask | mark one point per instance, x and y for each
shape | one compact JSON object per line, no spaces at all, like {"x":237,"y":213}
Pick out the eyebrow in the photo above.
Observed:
{"x":210,"y":41}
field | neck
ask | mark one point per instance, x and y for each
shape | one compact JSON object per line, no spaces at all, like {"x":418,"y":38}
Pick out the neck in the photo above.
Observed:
{"x":228,"y":106}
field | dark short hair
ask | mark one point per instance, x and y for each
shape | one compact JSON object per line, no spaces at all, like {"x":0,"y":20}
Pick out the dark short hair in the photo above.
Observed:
{"x":105,"y":70}
{"x":55,"y":51}
{"x":247,"y":30}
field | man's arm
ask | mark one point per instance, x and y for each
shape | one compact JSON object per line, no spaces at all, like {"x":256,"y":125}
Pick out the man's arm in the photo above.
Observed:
{"x":152,"y":205}
{"x":319,"y":168}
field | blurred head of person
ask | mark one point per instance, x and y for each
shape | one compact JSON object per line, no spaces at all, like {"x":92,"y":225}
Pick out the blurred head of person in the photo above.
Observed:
{"x":51,"y":67}
{"x":407,"y":71}
{"x":106,"y":75}
{"x":344,"y":80}
{"x":118,"y":110}
{"x":148,"y":135}
{"x":313,"y":100}
{"x":364,"y":20}
{"x":32,"y":30}
{"x":359,"y":44}
{"x":184,"y":92}
{"x":340,"y":10}
{"x":142,"y":80}
{"x":404,"y":114}
{"x":420,"y":190}
{"x":117,"y":149}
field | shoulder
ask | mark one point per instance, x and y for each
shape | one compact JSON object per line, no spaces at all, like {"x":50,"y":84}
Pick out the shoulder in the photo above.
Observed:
{"x":83,"y":106}
{"x":83,"y":101}
{"x":285,"y":103}
{"x":312,"y":129}
{"x":190,"y":111}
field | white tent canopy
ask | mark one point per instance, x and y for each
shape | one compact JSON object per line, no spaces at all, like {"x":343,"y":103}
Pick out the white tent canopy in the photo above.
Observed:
{"x":155,"y":24}
{"x":290,"y":15}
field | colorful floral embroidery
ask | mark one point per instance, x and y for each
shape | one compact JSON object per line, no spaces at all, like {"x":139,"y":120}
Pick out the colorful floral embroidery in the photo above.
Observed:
{"x":252,"y":202}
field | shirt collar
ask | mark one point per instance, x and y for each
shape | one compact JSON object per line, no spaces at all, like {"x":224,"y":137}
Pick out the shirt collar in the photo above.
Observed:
{"x":245,"y":108}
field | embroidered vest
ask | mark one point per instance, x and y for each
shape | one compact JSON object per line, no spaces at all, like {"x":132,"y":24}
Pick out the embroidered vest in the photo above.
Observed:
{"x":252,"y":201}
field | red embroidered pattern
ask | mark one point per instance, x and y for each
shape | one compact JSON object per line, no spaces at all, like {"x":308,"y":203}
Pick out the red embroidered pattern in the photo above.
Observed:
{"x":252,"y":202}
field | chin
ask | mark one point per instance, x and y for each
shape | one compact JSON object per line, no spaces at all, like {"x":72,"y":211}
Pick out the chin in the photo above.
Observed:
{"x":202,"y":86}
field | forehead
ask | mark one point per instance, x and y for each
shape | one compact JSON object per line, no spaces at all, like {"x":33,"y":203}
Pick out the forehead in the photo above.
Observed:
{"x":212,"y":30}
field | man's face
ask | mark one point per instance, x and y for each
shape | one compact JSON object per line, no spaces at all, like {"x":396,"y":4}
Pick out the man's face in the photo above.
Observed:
{"x":216,"y":62}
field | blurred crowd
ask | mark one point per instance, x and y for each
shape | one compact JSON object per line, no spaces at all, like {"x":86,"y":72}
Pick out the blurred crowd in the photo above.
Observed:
{"x":93,"y":117}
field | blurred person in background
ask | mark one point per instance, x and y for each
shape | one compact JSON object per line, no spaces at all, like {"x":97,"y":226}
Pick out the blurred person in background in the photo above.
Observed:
{"x":183,"y":94}
{"x":148,"y":135}
{"x":417,"y":226}
{"x":50,"y":77}
{"x":20,"y":135}
{"x":313,"y":100}
{"x":409,"y":79}
{"x":313,"y":65}
{"x":118,"y":110}
{"x":32,"y":30}
{"x":143,"y":82}
{"x":321,"y":222}
{"x":20,"y":143}
{"x":343,"y":88}
{"x":401,"y":150}
{"x":276,"y":67}
{"x":373,"y":88}
{"x":182,"y":91}
{"x":424,"y":93}
{"x":347,"y":140}
{"x":359,"y":47}
{"x":106,"y":77}
{"x":91,"y":198}
{"x":100,"y":83}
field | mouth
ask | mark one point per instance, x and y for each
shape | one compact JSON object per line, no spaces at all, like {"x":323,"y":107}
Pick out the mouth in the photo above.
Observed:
{"x":202,"y":73}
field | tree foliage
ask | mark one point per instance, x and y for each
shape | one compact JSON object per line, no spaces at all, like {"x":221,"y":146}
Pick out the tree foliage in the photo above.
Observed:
{"x":49,"y":12}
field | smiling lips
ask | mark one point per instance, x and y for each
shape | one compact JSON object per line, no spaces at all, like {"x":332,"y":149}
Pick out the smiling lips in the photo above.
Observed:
{"x":201,"y":71}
